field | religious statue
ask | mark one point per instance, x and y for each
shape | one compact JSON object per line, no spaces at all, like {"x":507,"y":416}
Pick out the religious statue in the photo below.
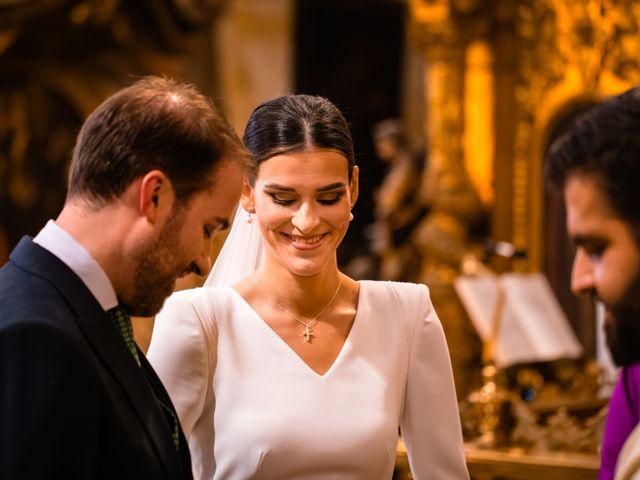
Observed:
{"x":398,"y":208}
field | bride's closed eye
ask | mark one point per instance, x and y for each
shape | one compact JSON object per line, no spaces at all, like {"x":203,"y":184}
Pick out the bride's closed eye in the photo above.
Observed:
{"x":281,"y":199}
{"x":329,"y":198}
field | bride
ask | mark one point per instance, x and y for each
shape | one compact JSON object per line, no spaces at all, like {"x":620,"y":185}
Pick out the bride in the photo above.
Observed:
{"x":289,"y":368}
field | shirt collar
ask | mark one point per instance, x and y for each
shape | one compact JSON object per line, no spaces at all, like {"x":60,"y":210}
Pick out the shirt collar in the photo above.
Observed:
{"x":61,"y":244}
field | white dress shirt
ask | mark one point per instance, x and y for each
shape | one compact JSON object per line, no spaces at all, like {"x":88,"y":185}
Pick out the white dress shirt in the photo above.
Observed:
{"x":61,"y":244}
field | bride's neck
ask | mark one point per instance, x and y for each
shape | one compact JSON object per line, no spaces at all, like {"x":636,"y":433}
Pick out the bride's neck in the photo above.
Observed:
{"x":302,"y":294}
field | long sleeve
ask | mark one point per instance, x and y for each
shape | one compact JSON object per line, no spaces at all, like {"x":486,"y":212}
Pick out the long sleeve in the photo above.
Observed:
{"x":430,"y":425}
{"x":182,"y":352}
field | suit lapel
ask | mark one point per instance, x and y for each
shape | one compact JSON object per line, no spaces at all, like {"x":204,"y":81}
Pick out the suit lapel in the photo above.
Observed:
{"x":106,"y":343}
{"x":109,"y":346}
{"x":162,"y":395}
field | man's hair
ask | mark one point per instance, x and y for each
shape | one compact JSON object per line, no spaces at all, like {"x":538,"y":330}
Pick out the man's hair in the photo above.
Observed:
{"x":156,"y":123}
{"x":605,"y":144}
{"x":296,"y":123}
{"x":390,"y":128}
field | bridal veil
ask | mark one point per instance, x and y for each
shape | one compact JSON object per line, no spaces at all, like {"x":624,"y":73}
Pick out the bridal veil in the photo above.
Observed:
{"x":240,"y":255}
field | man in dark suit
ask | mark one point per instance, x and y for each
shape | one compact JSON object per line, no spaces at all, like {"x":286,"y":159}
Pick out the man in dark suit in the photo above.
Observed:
{"x":155,"y":173}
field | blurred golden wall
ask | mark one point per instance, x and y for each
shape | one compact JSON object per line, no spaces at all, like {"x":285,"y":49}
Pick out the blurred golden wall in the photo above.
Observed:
{"x":502,"y":78}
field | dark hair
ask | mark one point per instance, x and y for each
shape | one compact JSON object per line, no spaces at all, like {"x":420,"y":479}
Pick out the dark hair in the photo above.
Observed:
{"x":390,"y":128}
{"x":603,"y":142}
{"x":294,"y":123}
{"x":156,"y":123}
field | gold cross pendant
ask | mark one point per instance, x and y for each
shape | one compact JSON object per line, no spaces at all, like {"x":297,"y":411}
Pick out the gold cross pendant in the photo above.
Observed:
{"x":308,"y":334}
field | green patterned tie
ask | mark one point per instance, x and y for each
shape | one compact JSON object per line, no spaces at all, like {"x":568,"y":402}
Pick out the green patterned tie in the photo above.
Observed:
{"x":122,"y":321}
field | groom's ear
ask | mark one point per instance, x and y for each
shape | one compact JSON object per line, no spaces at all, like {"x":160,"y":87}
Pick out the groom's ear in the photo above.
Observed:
{"x":246,"y":199}
{"x":155,"y":196}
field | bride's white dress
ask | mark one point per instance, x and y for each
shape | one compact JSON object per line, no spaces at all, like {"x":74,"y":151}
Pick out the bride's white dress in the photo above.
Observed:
{"x":252,"y":408}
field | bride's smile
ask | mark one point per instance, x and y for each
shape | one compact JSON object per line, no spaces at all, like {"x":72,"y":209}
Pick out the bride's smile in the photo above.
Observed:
{"x":305,"y":243}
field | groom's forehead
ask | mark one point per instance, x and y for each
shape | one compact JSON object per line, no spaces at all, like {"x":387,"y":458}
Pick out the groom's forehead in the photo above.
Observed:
{"x":218,"y":200}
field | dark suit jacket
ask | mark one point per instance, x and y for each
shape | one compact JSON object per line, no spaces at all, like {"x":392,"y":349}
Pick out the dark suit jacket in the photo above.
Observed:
{"x":73,"y":402}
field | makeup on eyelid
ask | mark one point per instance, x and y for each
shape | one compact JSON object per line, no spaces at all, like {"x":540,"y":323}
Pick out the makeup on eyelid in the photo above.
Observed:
{"x":325,"y":199}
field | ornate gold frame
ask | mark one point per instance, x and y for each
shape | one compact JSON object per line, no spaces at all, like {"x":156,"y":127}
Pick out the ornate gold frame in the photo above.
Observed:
{"x":547,"y":56}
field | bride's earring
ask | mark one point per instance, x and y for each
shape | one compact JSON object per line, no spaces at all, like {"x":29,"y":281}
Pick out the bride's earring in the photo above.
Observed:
{"x":350,"y":216}
{"x":250,"y":212}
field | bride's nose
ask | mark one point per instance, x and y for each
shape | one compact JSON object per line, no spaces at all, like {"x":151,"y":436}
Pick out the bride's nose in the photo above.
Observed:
{"x":305,"y":219}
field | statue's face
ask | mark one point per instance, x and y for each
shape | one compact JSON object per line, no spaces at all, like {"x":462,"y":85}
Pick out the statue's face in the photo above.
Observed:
{"x":607,"y":262}
{"x":386,"y":148}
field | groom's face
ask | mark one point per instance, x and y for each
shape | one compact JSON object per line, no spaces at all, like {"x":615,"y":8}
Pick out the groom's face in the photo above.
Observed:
{"x":607,"y":263}
{"x":183,"y":243}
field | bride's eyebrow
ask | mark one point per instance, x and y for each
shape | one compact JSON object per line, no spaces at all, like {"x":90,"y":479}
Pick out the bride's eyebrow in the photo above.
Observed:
{"x":332,"y":186}
{"x":282,"y":188}
{"x":276,"y":186}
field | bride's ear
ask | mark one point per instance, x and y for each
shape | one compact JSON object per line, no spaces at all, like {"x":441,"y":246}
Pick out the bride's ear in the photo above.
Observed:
{"x":246,"y":200}
{"x":354,"y":188}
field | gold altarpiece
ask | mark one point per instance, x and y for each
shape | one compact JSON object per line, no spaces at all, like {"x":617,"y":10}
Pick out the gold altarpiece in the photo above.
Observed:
{"x":501,"y":79}
{"x":543,"y":59}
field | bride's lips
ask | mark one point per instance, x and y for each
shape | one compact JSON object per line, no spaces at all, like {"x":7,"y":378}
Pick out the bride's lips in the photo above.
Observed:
{"x":307,"y":242}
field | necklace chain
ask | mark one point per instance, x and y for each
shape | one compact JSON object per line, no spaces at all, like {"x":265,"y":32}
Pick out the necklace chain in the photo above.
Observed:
{"x":308,"y":325}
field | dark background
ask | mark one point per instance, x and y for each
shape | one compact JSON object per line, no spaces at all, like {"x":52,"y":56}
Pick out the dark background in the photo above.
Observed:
{"x":352,"y":53}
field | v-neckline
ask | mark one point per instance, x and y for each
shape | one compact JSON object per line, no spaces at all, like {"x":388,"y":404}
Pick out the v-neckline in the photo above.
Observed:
{"x":279,"y":339}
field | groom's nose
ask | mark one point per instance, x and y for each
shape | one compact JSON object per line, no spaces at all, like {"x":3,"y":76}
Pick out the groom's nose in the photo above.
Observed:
{"x":202,"y":264}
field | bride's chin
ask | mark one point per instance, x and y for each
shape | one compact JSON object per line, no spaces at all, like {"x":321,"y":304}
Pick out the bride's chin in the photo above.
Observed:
{"x":306,"y":269}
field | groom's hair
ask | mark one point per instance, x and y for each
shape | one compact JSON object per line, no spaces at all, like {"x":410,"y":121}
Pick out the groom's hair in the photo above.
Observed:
{"x":156,"y":123}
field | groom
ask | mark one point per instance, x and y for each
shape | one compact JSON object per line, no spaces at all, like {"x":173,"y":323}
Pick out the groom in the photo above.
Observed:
{"x":155,"y":173}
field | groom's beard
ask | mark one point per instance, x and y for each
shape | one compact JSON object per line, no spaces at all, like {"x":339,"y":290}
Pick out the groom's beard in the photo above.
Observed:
{"x":156,"y":267}
{"x":623,"y":332}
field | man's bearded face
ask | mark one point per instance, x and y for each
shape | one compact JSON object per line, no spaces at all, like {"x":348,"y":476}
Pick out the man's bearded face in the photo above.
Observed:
{"x":606,"y":264}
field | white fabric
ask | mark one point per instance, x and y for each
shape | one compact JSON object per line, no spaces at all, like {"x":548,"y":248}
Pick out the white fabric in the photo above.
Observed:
{"x":59,"y":242}
{"x":240,"y":255}
{"x":251,"y":408}
{"x":628,"y":464}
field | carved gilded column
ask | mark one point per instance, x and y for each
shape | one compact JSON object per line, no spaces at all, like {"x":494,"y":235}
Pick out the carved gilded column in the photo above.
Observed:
{"x":443,"y":235}
{"x":548,"y":61}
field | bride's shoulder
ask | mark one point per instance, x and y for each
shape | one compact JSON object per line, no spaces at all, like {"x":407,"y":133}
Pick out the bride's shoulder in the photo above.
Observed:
{"x":397,"y":300}
{"x":201,"y":296}
{"x":399,"y":290}
{"x":191,"y":294}
{"x":404,"y":298}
